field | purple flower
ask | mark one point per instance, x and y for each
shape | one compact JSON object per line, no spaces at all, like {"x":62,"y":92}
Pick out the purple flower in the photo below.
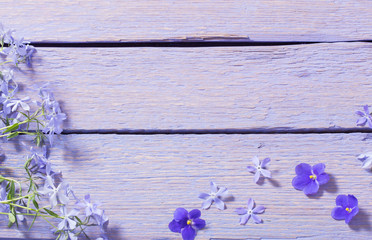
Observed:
{"x":56,"y":194}
{"x":259,"y":168}
{"x":309,"y":178}
{"x":3,"y":197}
{"x":215,"y":196}
{"x":251,"y":211}
{"x":347,"y":208}
{"x":67,"y":222}
{"x":186,"y":223}
{"x":365,"y":117}
{"x":102,"y":220}
{"x":89,"y":207}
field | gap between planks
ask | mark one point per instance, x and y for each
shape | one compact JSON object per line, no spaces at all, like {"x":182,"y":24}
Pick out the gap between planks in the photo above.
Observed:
{"x":187,"y":42}
{"x":218,"y":131}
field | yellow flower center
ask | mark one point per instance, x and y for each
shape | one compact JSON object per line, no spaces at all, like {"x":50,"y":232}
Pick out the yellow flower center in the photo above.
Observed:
{"x":348,"y":210}
{"x":313,"y":177}
{"x":189,"y":222}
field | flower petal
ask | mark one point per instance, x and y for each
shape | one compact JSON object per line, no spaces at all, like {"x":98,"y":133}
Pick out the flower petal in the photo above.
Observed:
{"x":244,"y":219}
{"x":266,"y":173}
{"x":193,"y":214}
{"x":265,"y":162}
{"x":360,"y":113}
{"x":219,"y":203}
{"x":352,"y":201}
{"x":207,"y":203}
{"x":256,"y":161}
{"x":322,"y":178}
{"x":256,"y":218}
{"x":342,"y":200}
{"x":221,"y":191}
{"x":361,"y":121}
{"x":214,"y":187}
{"x":250,"y":204}
{"x":339,"y":213}
{"x":365,"y":107}
{"x":180,"y":214}
{"x":188,"y":233}
{"x":204,"y":195}
{"x":251,"y":168}
{"x":259,"y":209}
{"x":241,"y":211}
{"x":301,"y":181}
{"x":311,"y":188}
{"x":256,"y":176}
{"x":318,"y":168}
{"x":303,"y":169}
{"x":199,"y":223}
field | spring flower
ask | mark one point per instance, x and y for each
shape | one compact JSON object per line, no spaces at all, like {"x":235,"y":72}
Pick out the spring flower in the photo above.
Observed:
{"x":347,"y":208}
{"x":309,"y":178}
{"x":365,"y":117}
{"x":67,"y":222}
{"x":259,"y":168}
{"x":56,"y":194}
{"x":89,"y":207}
{"x":251,"y":211}
{"x":215,"y":196}
{"x":186,"y":223}
{"x":367,"y":160}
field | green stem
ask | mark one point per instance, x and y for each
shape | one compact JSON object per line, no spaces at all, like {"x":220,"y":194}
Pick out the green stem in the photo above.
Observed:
{"x":15,"y":199}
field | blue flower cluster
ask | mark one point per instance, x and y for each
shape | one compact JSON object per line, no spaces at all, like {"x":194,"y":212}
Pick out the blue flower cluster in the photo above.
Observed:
{"x":43,"y":181}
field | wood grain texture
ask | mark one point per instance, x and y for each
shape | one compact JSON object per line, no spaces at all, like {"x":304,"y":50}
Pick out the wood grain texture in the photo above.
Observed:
{"x":305,"y":86}
{"x":267,"y":20}
{"x":141,"y":180}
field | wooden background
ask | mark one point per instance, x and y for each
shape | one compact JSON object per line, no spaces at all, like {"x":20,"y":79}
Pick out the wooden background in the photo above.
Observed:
{"x":292,"y":103}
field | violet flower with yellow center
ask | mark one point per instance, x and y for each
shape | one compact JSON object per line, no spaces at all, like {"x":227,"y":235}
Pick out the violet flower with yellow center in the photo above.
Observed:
{"x":309,"y":178}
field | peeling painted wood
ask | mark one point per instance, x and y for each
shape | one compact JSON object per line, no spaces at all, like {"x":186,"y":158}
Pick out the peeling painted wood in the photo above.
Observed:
{"x":308,"y":86}
{"x":264,"y":20}
{"x":141,"y":180}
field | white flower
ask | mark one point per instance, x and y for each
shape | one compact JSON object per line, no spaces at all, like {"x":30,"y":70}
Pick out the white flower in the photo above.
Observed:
{"x":217,"y":193}
{"x":259,"y":168}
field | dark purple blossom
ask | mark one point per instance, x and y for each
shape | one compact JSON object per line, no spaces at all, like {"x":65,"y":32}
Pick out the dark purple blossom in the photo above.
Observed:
{"x":347,"y":208}
{"x":251,"y":211}
{"x":309,"y":178}
{"x":259,"y":168}
{"x":186,"y":223}
{"x":365,"y":117}
{"x":216,"y":195}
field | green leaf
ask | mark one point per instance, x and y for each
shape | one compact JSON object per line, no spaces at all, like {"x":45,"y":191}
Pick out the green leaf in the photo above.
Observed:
{"x":51,"y":213}
{"x":12,"y":218}
{"x":12,"y":135}
{"x":12,"y":127}
{"x":35,"y":203}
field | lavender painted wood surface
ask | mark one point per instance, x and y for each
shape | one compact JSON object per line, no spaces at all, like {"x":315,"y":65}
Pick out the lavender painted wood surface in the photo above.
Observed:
{"x":306,"y":86}
{"x":141,"y":180}
{"x":268,"y":20}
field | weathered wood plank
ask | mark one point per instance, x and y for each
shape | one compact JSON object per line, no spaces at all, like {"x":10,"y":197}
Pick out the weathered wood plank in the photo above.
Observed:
{"x":306,"y":86}
{"x":267,"y":20}
{"x":141,"y":180}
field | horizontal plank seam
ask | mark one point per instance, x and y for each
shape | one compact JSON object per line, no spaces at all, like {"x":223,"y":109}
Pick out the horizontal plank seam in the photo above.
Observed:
{"x":217,"y":131}
{"x":181,"y":43}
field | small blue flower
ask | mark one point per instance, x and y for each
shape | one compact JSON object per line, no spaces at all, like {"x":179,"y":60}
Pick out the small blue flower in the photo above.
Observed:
{"x":89,"y":207}
{"x":56,"y":194}
{"x":347,"y":208}
{"x":216,"y":195}
{"x":67,"y":222}
{"x":259,"y":168}
{"x":309,"y":178}
{"x":251,"y":211}
{"x":186,"y":223}
{"x":365,"y":117}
